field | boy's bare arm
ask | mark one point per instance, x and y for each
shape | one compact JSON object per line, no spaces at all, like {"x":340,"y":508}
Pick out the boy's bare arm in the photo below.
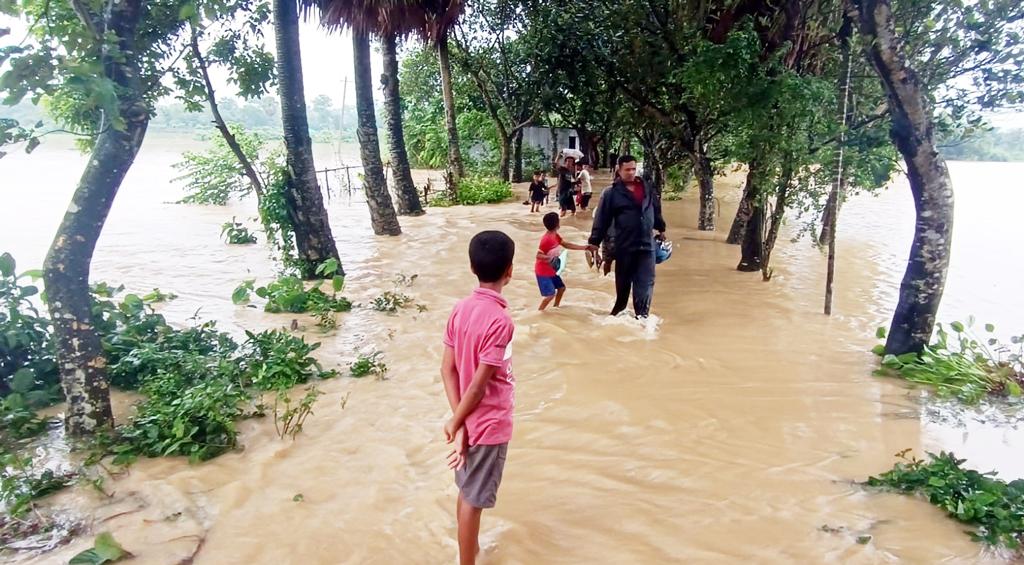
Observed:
{"x":450,"y":376}
{"x":469,"y":401}
{"x":573,"y":246}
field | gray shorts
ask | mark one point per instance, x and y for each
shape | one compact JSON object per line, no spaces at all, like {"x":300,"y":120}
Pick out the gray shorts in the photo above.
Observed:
{"x":478,"y":480}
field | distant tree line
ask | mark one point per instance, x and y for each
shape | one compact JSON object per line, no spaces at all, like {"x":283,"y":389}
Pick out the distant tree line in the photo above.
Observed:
{"x":990,"y":145}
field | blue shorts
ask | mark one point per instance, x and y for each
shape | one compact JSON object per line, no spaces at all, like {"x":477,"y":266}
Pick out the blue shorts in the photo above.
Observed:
{"x":549,"y":285}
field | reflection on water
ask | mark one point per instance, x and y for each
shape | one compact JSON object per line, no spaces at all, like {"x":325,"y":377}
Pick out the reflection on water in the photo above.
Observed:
{"x":728,"y":430}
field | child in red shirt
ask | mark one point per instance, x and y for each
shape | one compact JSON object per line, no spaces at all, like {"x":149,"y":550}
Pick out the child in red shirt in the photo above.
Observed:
{"x":550,"y":284}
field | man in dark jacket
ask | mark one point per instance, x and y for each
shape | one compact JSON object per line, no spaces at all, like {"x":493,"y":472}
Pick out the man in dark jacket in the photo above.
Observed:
{"x":635,"y":210}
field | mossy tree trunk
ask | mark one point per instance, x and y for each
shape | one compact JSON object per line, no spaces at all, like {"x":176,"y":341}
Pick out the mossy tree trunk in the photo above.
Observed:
{"x":382,"y":211}
{"x":912,"y":131}
{"x":313,"y":238}
{"x":405,"y":190}
{"x":67,"y":265}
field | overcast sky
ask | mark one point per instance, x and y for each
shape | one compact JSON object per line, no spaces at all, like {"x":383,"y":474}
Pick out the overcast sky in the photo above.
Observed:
{"x":326,"y":61}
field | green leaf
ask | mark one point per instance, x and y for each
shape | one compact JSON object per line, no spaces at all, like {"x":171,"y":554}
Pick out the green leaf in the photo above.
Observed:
{"x":1013,"y":389}
{"x":7,"y":265}
{"x":990,"y":328}
{"x":957,"y":327}
{"x":880,"y":333}
{"x":33,"y":142}
{"x":240,"y":295}
{"x":298,"y":498}
{"x":187,"y":11}
{"x":23,"y":380}
{"x":34,"y":274}
{"x":878,"y":350}
{"x":105,"y":550}
{"x":338,"y":283}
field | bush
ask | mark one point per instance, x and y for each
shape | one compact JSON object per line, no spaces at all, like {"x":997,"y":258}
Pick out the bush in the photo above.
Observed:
{"x":289,"y":294}
{"x":274,"y":359}
{"x":961,"y":365}
{"x":28,"y":364}
{"x":483,"y":190}
{"x":214,"y":176}
{"x":236,"y":234}
{"x":980,"y":499}
{"x":369,"y":364}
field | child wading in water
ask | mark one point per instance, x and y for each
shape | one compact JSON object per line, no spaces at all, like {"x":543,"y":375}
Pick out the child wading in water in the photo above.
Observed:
{"x":550,"y":284}
{"x":538,"y":192}
{"x":478,"y":382}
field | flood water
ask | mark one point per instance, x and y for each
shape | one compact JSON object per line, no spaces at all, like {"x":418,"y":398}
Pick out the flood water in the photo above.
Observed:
{"x":729,"y":429}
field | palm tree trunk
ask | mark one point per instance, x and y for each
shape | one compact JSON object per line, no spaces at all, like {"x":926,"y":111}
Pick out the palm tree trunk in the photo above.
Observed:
{"x":382,"y":212}
{"x":454,"y":155}
{"x":912,"y":132}
{"x":313,"y":238}
{"x":66,"y":268}
{"x":222,"y":126}
{"x":405,"y":190}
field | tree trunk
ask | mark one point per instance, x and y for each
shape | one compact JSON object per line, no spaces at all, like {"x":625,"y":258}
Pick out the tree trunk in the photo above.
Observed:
{"x":554,"y":150}
{"x":313,"y":238}
{"x":222,"y":126}
{"x":778,"y":213}
{"x":66,"y":268}
{"x":454,"y":155}
{"x":744,"y":211}
{"x":827,"y":219}
{"x":752,"y":234}
{"x":517,"y":157}
{"x":912,"y":132}
{"x":405,"y":190}
{"x":505,"y":158}
{"x":382,"y":212}
{"x":705,"y":180}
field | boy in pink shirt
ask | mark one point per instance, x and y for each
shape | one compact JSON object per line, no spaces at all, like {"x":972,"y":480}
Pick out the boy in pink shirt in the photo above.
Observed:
{"x":478,"y":382}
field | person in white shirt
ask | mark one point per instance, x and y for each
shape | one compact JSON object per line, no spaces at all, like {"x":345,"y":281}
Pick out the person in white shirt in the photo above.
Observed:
{"x":586,"y":188}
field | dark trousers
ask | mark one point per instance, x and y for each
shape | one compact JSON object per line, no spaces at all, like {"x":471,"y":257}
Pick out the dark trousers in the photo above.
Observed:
{"x":634,"y":270}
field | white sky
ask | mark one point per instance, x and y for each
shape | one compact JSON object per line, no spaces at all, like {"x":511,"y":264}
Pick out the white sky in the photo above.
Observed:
{"x":326,"y":60}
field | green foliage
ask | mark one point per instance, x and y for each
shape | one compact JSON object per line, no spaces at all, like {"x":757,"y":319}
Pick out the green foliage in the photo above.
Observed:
{"x":391,"y":301}
{"x":290,"y":294}
{"x":988,"y":145}
{"x":28,"y":366}
{"x":677,"y":180}
{"x":481,"y":190}
{"x":274,"y":359}
{"x":369,"y":364}
{"x":288,"y":419}
{"x":236,"y":233}
{"x":21,"y":482}
{"x":214,"y":176}
{"x":962,"y":365}
{"x":277,"y":221}
{"x":995,"y":507}
{"x":104,"y":550}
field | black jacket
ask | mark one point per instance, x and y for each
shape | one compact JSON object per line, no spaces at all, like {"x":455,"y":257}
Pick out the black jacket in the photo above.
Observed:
{"x":634,"y":225}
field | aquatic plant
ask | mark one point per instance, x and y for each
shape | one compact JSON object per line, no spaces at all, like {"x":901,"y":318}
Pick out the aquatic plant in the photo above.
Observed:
{"x":995,"y":507}
{"x":391,"y":302}
{"x":289,"y":294}
{"x":483,"y":190}
{"x":28,"y":365}
{"x":288,"y":419}
{"x":369,"y":364}
{"x":236,"y":233}
{"x":960,"y":364}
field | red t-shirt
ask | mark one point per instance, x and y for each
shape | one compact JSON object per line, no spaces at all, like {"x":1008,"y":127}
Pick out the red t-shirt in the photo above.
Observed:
{"x":638,"y":191}
{"x":550,"y":241}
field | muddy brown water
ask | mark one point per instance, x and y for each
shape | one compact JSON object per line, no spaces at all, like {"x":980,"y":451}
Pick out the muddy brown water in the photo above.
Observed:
{"x":728,"y":429}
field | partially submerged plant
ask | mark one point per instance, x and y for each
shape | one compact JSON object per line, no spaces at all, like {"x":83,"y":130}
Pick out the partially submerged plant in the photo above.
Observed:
{"x":962,"y":365}
{"x":288,"y":419}
{"x":235,"y":233}
{"x":369,"y":364}
{"x":995,"y":507}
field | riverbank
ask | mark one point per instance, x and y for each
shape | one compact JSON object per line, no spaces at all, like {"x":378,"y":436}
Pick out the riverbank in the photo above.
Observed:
{"x":729,"y":430}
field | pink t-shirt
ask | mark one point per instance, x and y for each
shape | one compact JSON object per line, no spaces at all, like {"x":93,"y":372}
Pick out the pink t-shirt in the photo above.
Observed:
{"x":480,"y":331}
